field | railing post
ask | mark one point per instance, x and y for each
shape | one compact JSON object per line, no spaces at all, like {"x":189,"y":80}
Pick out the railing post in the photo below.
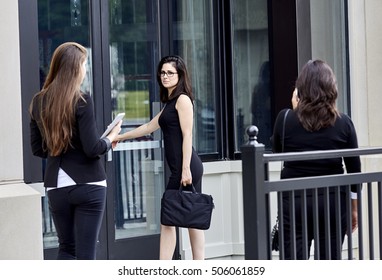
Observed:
{"x":256,"y":240}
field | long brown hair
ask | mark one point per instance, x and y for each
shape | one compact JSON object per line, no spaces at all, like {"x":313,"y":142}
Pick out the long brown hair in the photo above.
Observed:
{"x":184,"y":83}
{"x":317,"y":92}
{"x":58,"y":99}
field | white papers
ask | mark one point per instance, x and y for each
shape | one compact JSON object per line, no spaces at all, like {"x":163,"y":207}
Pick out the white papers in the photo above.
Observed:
{"x":113,"y":124}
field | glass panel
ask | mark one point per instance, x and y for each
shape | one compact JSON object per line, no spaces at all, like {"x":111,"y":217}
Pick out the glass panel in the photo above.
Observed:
{"x":328,"y":31}
{"x":193,"y":35}
{"x":59,"y":22}
{"x":251,"y":69}
{"x":138,"y":163}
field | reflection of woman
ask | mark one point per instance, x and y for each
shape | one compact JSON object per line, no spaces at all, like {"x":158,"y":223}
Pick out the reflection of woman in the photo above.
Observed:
{"x":176,"y":122}
{"x":315,"y":124}
{"x":260,"y":106}
{"x":63,"y":130}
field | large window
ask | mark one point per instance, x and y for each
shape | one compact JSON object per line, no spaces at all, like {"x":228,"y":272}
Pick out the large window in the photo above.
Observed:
{"x":251,"y":73}
{"x":257,"y":67}
{"x":194,"y":41}
{"x":328,"y":32}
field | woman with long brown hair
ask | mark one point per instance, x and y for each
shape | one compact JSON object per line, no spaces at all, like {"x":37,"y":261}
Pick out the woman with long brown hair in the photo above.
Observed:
{"x":316,"y":124}
{"x":63,"y":130}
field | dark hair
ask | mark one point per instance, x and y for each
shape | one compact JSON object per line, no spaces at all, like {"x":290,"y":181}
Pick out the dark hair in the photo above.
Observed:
{"x":317,"y":92}
{"x":184,"y":83}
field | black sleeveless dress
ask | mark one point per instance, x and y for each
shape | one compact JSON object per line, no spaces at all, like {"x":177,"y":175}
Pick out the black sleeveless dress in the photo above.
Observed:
{"x":173,"y":139}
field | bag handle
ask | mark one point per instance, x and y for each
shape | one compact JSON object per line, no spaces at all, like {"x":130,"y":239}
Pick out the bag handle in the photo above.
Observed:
{"x":192,"y":188}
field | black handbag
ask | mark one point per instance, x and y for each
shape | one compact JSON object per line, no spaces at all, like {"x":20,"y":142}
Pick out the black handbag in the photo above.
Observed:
{"x":187,"y":209}
{"x":275,"y":230}
{"x":275,"y":236}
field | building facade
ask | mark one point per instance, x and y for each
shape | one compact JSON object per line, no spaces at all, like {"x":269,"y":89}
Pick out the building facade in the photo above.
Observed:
{"x":243,"y":57}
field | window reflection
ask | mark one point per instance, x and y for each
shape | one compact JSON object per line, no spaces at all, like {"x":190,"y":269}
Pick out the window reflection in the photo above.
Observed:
{"x":251,"y":69}
{"x":261,"y":104}
{"x":251,"y":76}
{"x":138,"y":164}
{"x":193,"y":40}
{"x":329,"y":42}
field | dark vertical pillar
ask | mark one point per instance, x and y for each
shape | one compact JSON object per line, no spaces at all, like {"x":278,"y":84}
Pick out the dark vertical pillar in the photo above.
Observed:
{"x":30,"y":81}
{"x":304,"y":34}
{"x":283,"y":52}
{"x":256,"y":238}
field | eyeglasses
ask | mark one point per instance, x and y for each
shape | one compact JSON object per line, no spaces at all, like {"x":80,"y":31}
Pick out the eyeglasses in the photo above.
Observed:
{"x":168,"y":73}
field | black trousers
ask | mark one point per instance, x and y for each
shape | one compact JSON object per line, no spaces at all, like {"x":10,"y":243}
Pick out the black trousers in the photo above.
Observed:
{"x":335,"y":253}
{"x":77,"y":213}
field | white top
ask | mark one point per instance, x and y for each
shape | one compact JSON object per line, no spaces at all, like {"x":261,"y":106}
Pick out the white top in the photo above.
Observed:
{"x":64,"y":180}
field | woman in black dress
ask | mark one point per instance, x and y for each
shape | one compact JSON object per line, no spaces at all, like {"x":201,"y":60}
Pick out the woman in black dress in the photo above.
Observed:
{"x":316,"y":124}
{"x":176,"y":122}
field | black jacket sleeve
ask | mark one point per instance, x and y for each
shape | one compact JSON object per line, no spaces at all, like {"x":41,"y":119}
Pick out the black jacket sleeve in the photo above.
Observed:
{"x":353,"y":164}
{"x":36,"y":140}
{"x":87,"y":131}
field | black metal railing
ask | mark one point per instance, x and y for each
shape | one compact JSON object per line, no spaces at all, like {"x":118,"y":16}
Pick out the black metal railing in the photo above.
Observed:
{"x":257,"y":188}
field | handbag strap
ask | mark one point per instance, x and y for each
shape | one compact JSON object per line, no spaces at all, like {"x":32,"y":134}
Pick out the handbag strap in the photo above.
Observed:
{"x":276,"y":226}
{"x":282,"y":140}
{"x":192,"y":188}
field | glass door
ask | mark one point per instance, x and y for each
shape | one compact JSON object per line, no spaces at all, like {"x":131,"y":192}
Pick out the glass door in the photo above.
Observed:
{"x":121,"y":37}
{"x":138,"y":169}
{"x":59,"y":22}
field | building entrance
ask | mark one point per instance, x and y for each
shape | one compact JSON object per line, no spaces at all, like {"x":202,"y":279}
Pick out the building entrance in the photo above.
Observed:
{"x":125,"y":40}
{"x":123,"y":45}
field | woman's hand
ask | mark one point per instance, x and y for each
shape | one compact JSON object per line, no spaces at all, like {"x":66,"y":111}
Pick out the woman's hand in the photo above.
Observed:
{"x":354,"y":214}
{"x":295,"y":98}
{"x":186,"y":176}
{"x":114,"y":144}
{"x":114,"y":133}
{"x":119,"y":138}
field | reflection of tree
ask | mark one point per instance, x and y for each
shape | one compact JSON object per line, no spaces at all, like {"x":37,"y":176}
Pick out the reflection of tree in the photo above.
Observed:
{"x":261,"y":106}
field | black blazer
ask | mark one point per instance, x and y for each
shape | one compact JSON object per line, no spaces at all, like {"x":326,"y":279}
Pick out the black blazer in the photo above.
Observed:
{"x":82,"y":160}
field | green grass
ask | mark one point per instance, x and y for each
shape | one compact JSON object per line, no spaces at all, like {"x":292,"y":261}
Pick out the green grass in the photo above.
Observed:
{"x":135,"y":104}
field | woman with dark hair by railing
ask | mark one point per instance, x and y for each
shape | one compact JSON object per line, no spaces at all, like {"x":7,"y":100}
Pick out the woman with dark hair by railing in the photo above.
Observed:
{"x":315,"y":124}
